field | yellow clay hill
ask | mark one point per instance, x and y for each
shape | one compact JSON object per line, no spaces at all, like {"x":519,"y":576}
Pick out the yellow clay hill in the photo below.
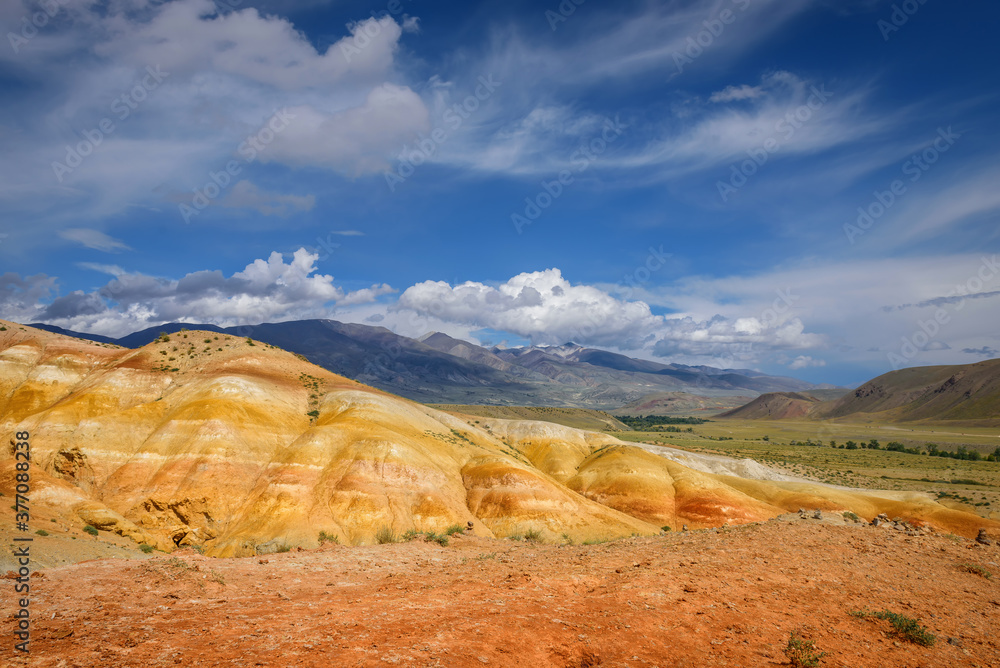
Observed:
{"x":235,"y":446}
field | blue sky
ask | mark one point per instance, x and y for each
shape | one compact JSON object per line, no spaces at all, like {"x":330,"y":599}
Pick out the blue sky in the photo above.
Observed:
{"x":680,"y":181}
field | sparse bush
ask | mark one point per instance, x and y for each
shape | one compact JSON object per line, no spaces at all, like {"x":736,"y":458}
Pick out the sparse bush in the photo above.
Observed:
{"x":972,"y":568}
{"x":801,"y":653}
{"x":385,"y":535}
{"x":324,"y":537}
{"x":91,"y":530}
{"x":454,"y":529}
{"x":533,"y":536}
{"x":284,"y":547}
{"x":413,"y":534}
{"x":42,"y":532}
{"x":249,"y":341}
{"x":216,"y":576}
{"x":853,"y":517}
{"x":904,"y":627}
{"x":666,"y":527}
{"x":180,"y":564}
{"x":313,"y":414}
{"x":146,"y":548}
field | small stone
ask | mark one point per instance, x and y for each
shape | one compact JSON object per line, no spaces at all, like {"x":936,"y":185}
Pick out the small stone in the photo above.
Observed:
{"x":982,"y":539}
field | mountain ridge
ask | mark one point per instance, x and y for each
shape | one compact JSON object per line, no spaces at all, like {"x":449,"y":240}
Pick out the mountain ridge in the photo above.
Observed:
{"x":437,"y":368}
{"x":966,"y":393}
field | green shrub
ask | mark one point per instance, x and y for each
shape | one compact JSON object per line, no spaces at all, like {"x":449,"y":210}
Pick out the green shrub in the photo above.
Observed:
{"x":533,"y":536}
{"x":440,"y":539}
{"x":851,"y":516}
{"x":454,"y":529}
{"x":146,"y":548}
{"x":385,"y":535}
{"x":284,"y":547}
{"x":969,"y":568}
{"x":91,"y":530}
{"x":802,"y":653}
{"x":42,"y":532}
{"x":413,"y":534}
{"x":666,"y":527}
{"x":904,"y":627}
{"x":313,"y":414}
{"x":325,"y":537}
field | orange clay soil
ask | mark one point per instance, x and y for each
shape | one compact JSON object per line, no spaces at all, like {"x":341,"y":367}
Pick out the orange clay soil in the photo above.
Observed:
{"x":705,"y":598}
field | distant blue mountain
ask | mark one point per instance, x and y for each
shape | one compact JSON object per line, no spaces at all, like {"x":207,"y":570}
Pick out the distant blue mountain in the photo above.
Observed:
{"x":438,"y":368}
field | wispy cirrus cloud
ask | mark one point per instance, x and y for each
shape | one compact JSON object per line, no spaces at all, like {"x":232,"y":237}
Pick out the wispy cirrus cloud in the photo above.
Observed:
{"x":94,"y":239}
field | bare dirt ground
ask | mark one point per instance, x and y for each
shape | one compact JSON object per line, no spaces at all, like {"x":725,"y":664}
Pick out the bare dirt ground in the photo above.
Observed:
{"x":727,"y":597}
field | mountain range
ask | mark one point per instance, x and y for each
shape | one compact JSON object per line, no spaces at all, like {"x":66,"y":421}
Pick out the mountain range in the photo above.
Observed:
{"x":964,"y":393}
{"x":240,"y":448}
{"x":437,"y":368}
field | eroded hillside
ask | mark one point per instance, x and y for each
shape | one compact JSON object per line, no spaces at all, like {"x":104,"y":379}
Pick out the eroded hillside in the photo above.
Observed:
{"x":235,"y":446}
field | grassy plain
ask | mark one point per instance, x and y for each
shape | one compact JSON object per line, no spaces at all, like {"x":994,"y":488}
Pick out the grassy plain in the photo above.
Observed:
{"x":968,"y":485}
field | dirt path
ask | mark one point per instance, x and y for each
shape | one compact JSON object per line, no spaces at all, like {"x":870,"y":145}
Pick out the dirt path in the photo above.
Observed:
{"x":708,"y":598}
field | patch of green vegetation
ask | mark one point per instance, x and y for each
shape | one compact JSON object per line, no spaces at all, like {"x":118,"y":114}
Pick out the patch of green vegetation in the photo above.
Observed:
{"x":284,"y":547}
{"x":146,"y":548}
{"x":325,"y":537}
{"x":533,"y":536}
{"x":666,"y":527}
{"x":904,"y":627}
{"x":802,"y":653}
{"x":216,"y":576}
{"x":91,"y":530}
{"x":180,"y":564}
{"x":313,"y":414}
{"x":430,"y":536}
{"x":42,"y":532}
{"x":853,"y":517}
{"x":454,"y":529}
{"x":386,"y":535}
{"x":976,"y":569}
{"x":648,"y":422}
